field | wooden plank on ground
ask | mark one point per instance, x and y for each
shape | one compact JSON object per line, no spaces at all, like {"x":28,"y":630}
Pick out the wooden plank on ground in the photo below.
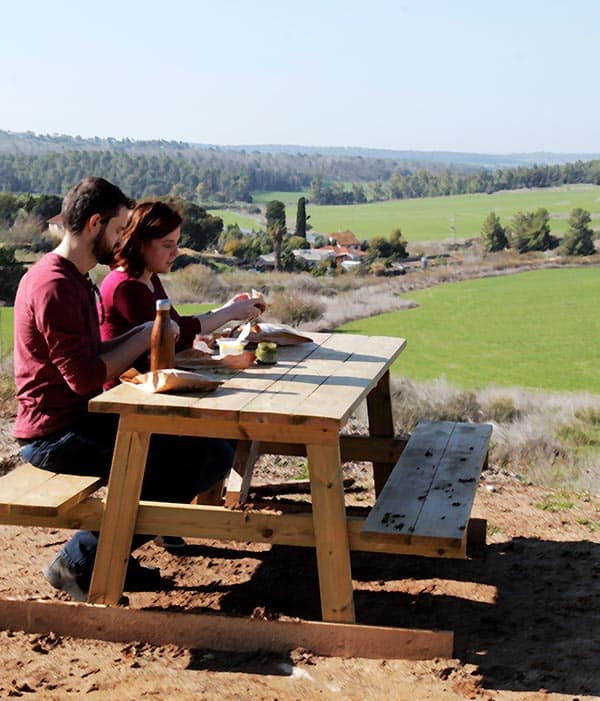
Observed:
{"x":189,"y":630}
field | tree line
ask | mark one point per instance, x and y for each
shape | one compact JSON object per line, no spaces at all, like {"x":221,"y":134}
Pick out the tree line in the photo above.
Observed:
{"x":232,"y":176}
{"x":530,"y":231}
{"x":424,"y":183}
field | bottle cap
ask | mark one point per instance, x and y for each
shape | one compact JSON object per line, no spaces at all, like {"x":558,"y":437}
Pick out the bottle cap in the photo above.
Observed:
{"x":163,"y":305}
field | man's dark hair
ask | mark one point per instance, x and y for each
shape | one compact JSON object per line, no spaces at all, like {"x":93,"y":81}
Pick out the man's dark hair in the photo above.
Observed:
{"x":92,"y":196}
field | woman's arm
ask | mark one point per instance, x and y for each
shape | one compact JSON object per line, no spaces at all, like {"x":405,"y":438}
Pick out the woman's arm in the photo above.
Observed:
{"x":240,"y":308}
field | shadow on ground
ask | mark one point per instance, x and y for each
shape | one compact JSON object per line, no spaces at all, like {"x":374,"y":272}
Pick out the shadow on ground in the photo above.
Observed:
{"x":538,"y":629}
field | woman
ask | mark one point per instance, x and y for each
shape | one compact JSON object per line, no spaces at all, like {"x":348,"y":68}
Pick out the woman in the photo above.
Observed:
{"x":149,"y":247}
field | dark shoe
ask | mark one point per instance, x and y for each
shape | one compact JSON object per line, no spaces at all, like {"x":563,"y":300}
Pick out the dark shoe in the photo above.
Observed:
{"x":170,"y":542}
{"x":63,"y":576}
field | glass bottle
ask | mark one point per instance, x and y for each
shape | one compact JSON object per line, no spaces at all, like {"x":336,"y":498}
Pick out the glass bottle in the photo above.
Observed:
{"x":162,"y":339}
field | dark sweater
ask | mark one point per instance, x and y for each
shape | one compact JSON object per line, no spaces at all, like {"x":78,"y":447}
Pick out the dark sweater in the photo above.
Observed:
{"x":57,"y":361}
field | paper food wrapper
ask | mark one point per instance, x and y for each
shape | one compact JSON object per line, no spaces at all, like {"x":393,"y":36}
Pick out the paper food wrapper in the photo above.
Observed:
{"x":273,"y":333}
{"x":196,"y":359}
{"x":171,"y":380}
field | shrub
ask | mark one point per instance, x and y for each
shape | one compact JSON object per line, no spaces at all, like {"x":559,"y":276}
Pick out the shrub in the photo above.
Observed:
{"x":502,"y":410}
{"x":291,"y":309}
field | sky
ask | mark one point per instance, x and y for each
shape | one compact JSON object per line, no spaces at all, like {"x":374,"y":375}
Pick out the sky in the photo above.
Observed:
{"x":458,"y":75}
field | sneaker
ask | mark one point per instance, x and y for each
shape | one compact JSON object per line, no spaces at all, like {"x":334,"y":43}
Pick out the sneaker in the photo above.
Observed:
{"x":76,"y":584}
{"x":170,"y":542}
{"x":63,"y":576}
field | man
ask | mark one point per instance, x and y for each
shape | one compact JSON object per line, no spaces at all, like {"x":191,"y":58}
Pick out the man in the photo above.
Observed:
{"x":60,"y":364}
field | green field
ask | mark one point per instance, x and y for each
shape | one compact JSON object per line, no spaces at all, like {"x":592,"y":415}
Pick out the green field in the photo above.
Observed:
{"x":230,"y":217}
{"x":538,"y":329}
{"x":6,"y":331}
{"x":435,"y":218}
{"x":289,"y":199}
{"x":432,"y":218}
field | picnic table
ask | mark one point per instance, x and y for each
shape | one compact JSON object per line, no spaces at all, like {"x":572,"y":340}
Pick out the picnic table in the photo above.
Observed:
{"x":425,"y":485}
{"x":301,"y":402}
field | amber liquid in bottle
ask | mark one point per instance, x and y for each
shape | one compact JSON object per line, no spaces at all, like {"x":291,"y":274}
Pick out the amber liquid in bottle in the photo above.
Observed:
{"x":162,"y":339}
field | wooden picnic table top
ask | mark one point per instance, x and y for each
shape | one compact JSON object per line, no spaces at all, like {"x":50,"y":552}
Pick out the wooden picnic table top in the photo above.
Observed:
{"x":314,"y":385}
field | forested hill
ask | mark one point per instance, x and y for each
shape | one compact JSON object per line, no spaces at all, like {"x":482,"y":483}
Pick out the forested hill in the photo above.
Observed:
{"x":51,"y":164}
{"x":30,"y":143}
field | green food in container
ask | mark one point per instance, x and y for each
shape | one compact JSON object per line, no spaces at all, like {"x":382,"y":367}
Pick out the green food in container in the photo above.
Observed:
{"x":266,"y":353}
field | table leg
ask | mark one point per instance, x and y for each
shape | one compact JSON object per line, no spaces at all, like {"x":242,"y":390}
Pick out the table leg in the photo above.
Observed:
{"x":331,"y":534}
{"x":120,"y":513}
{"x":381,"y":425}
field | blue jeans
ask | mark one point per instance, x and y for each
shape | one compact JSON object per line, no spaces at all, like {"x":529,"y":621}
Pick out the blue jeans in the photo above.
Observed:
{"x":178,"y":468}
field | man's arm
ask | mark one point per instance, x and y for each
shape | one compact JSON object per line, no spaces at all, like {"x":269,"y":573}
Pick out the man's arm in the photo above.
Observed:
{"x":119,"y":353}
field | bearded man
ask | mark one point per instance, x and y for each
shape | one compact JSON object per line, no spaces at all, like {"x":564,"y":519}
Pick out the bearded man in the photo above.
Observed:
{"x":60,"y":363}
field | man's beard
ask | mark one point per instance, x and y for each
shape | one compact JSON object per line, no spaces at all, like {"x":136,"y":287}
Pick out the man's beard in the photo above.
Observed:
{"x":100,"y":249}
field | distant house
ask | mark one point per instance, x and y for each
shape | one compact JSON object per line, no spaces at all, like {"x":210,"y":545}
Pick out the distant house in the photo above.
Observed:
{"x":341,"y":253}
{"x":56,"y":226}
{"x":343,"y":238}
{"x":265,"y":262}
{"x":314,"y":256}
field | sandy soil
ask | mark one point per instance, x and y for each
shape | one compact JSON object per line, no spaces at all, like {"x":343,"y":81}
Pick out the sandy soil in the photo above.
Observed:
{"x":525,"y":615}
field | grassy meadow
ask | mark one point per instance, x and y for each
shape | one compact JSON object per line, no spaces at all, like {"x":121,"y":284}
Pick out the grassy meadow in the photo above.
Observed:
{"x":434,"y":218}
{"x":538,"y":329}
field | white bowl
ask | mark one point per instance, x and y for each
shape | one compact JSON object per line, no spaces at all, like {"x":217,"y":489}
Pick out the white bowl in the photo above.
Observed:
{"x":230,"y":346}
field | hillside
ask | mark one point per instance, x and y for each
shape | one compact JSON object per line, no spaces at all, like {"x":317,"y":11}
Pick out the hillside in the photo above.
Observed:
{"x":525,"y":616}
{"x":29,"y":142}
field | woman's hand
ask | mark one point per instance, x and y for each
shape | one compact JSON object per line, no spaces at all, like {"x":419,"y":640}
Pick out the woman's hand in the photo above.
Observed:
{"x":243,"y":306}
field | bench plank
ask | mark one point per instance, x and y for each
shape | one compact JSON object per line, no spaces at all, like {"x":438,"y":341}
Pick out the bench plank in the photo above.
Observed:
{"x":445,"y":513}
{"x":429,"y":495}
{"x":30,"y":490}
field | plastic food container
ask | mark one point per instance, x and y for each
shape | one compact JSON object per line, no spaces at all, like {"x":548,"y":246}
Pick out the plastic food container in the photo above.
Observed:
{"x":230,"y":346}
{"x":266,"y":353}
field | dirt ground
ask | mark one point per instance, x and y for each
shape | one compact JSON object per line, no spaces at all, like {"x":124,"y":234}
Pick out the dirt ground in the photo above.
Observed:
{"x":526,"y":614}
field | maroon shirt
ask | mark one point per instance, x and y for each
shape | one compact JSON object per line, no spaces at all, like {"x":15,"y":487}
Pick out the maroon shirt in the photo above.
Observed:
{"x":57,"y":361}
{"x":128,"y":302}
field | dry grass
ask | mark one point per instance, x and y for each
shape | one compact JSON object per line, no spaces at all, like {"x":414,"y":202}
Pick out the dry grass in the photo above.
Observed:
{"x":529,"y":436}
{"x":547,"y":439}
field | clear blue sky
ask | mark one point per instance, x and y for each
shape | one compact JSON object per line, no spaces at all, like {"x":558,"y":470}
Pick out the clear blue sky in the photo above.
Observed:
{"x":461,"y":75}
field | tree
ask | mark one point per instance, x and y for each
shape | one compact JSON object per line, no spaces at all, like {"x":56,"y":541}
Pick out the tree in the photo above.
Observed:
{"x":275,"y":216}
{"x":200,"y":229}
{"x":379,"y":248}
{"x":531,"y":231}
{"x":398,"y":245}
{"x":301,"y":218}
{"x":358,"y":193}
{"x":493,"y":235}
{"x":579,"y":239}
{"x":316,"y":189}
{"x":11,"y":272}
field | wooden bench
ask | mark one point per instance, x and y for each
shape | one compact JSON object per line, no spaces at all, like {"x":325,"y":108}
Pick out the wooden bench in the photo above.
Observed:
{"x":427,"y":498}
{"x":28,"y":492}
